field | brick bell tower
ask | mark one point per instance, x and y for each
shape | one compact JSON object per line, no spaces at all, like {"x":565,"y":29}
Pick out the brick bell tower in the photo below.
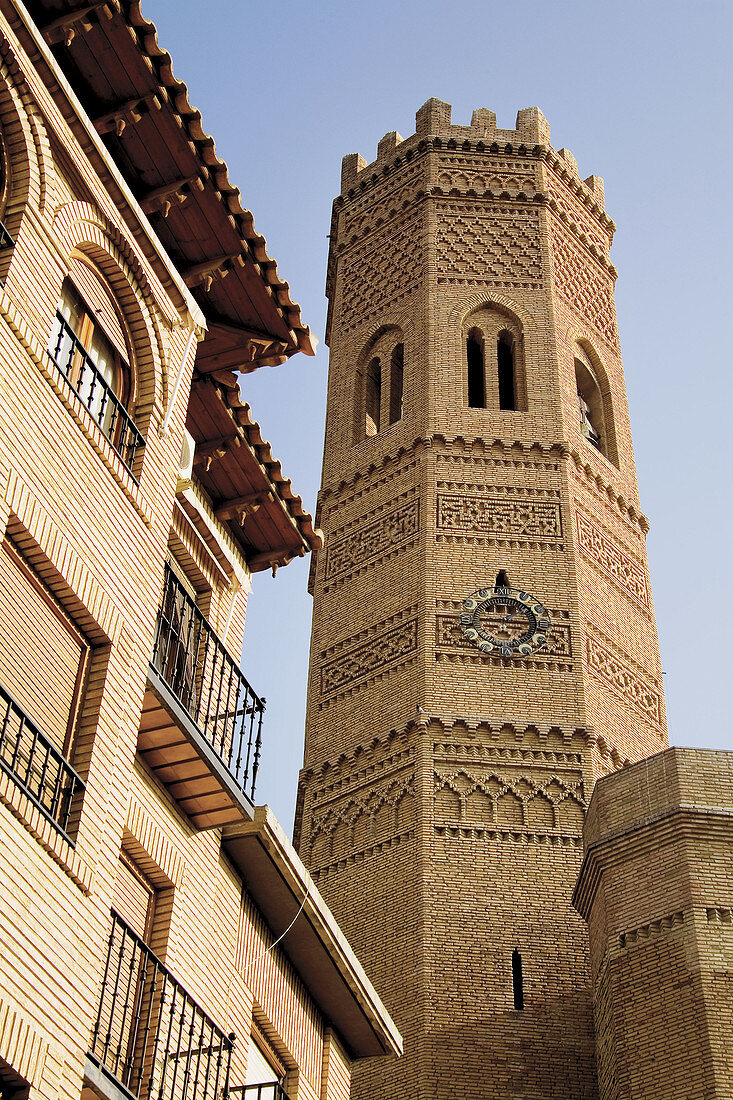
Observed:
{"x":484,"y":645}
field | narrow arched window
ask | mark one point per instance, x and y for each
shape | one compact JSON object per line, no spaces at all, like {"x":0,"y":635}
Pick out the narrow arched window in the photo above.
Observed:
{"x":396,"y":382}
{"x":517,"y":980}
{"x":475,"y":362}
{"x":505,"y":362}
{"x":372,"y":397}
{"x":590,"y":406}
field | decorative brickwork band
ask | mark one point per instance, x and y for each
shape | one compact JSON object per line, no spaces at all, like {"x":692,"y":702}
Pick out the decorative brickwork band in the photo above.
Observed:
{"x":385,"y":650}
{"x":491,"y":516}
{"x":585,"y":285}
{"x":382,"y":271}
{"x":373,"y":540}
{"x":448,"y":632}
{"x":608,"y":556}
{"x":628,"y":683}
{"x":501,"y":248}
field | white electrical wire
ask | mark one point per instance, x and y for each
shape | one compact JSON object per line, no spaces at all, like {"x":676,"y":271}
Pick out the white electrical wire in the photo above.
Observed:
{"x":277,"y":941}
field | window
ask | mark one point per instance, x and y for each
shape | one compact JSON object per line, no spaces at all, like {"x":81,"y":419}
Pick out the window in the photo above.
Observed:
{"x":475,"y":362}
{"x":590,"y":406}
{"x":133,"y":898}
{"x":379,"y":388}
{"x":396,"y":383}
{"x":43,"y":661}
{"x":372,"y":397}
{"x":495,"y":380}
{"x":505,"y":363}
{"x":517,"y":980}
{"x":88,"y":345}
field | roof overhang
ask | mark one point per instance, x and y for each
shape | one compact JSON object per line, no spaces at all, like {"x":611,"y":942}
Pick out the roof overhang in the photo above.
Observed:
{"x":289,"y":900}
{"x":124,"y":81}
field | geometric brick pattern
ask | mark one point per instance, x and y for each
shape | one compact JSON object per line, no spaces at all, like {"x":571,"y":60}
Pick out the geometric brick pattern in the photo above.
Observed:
{"x":631,"y":685}
{"x":608,"y":556}
{"x":584,"y":284}
{"x":488,"y":515}
{"x":501,"y":248}
{"x":382,"y":271}
{"x":373,"y":540}
{"x":387,"y":649}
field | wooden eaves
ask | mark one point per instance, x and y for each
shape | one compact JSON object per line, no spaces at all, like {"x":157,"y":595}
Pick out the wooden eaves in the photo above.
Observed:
{"x":124,"y":80}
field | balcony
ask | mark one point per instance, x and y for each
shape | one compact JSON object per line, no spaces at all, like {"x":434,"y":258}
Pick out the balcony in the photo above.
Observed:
{"x":150,"y":1035}
{"x":36,"y":765}
{"x":271,"y":1090}
{"x":83,"y":376}
{"x":201,"y":728}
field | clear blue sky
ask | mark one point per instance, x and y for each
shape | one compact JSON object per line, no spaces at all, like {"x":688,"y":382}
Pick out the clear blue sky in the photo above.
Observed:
{"x":641,"y":93}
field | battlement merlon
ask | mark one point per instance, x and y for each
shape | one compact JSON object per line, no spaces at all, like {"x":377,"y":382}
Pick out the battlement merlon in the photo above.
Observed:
{"x":433,"y":120}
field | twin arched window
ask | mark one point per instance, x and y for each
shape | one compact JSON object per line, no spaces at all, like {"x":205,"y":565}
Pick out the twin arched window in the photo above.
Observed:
{"x":494,"y":363}
{"x":380,"y":392}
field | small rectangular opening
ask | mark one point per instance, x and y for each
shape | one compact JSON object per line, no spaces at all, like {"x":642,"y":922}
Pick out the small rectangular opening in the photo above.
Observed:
{"x":517,"y":980}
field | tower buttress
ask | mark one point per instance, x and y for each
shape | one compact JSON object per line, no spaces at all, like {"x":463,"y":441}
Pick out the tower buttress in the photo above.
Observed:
{"x":484,"y":644}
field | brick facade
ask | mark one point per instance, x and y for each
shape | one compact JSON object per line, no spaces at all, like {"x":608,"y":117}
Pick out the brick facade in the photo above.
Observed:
{"x":656,"y":889}
{"x":444,"y":788}
{"x":91,"y":528}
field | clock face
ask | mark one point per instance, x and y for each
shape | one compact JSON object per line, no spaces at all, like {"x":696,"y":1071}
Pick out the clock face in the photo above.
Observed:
{"x":505,"y":621}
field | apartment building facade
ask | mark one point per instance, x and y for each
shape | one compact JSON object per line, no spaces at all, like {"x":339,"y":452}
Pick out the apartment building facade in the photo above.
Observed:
{"x":160,"y":936}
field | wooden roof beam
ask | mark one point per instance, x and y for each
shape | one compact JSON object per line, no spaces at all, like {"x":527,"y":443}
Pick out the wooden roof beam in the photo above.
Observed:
{"x":273,"y":559}
{"x":241,"y":507}
{"x":205,"y":272}
{"x":126,"y":114}
{"x":213,"y":449}
{"x":64,"y":27}
{"x":161,"y":199}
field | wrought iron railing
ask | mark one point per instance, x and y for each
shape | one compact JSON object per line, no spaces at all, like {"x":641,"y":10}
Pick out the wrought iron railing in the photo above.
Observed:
{"x":271,"y":1090}
{"x":150,"y":1034}
{"x":36,"y":765}
{"x":94,"y":391}
{"x":208,"y":682}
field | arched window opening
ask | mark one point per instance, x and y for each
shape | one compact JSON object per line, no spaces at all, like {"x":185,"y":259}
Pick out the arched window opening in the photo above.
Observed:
{"x":88,"y":346}
{"x":517,"y":980}
{"x":396,"y":383}
{"x":372,"y":397}
{"x":505,"y":361}
{"x":590,"y":406}
{"x":475,"y":360}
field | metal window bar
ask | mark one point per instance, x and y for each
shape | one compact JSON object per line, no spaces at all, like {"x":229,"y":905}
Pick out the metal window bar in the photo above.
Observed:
{"x":208,"y":682}
{"x":36,"y":765}
{"x":6,"y":241}
{"x":95,"y":392}
{"x":270,"y":1090}
{"x":150,"y":1033}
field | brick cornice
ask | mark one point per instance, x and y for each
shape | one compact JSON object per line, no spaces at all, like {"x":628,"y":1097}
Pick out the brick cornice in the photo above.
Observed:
{"x":677,"y":823}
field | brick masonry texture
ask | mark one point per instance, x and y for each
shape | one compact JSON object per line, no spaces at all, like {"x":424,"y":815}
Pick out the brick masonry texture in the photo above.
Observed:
{"x":444,"y":790}
{"x":657,"y":891}
{"x":97,"y":539}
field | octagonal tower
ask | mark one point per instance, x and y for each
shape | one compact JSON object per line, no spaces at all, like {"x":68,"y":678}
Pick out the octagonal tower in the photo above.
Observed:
{"x":478,"y":449}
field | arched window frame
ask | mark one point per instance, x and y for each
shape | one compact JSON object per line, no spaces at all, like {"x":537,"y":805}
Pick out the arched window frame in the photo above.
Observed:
{"x":475,"y":369}
{"x":373,"y":396}
{"x":595,"y":405}
{"x":487,"y":328}
{"x":396,"y":382}
{"x":92,"y":351}
{"x":379,"y":384}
